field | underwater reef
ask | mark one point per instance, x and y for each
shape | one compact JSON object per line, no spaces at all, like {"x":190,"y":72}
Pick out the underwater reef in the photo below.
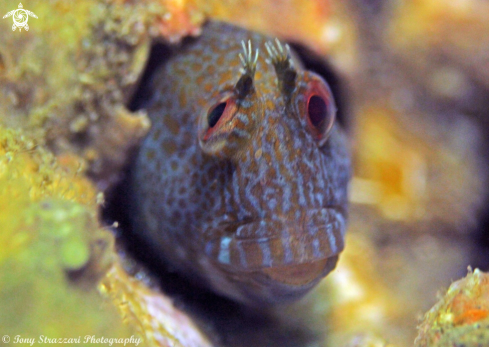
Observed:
{"x":413,"y":80}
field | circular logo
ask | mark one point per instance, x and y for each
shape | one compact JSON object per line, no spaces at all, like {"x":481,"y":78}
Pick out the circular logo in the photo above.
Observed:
{"x":20,"y":17}
{"x":6,"y":338}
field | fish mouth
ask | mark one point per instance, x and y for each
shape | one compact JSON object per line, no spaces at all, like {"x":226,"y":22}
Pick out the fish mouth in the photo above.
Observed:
{"x":281,"y":246}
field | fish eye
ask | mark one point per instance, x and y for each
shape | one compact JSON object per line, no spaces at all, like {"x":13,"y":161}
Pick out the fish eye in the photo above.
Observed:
{"x":215,"y":114}
{"x":217,"y":122}
{"x":319,"y":110}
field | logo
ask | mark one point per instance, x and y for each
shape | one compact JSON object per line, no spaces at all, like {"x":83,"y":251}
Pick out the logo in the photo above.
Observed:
{"x":20,"y":17}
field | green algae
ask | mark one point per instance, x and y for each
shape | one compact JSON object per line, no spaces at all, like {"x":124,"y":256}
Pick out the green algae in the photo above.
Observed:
{"x":52,"y":252}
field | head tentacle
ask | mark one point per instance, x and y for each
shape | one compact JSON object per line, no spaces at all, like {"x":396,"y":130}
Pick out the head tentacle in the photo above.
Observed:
{"x":280,"y":57}
{"x":248,"y":69}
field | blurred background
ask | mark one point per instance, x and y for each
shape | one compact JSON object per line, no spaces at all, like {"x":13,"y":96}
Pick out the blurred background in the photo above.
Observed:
{"x":412,"y":82}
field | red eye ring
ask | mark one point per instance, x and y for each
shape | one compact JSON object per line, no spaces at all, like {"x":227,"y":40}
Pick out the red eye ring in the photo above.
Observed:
{"x":320,"y":109}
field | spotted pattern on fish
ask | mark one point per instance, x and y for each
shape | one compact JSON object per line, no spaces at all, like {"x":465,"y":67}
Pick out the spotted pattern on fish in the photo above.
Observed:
{"x":241,"y":184}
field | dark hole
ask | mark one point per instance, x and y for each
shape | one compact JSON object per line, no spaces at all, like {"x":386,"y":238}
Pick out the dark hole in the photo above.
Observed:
{"x":141,"y":95}
{"x":317,"y":110}
{"x":158,"y":56}
{"x":216,"y":114}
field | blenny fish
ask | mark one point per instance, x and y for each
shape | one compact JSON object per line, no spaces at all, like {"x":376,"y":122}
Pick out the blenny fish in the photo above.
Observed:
{"x":241,"y":183}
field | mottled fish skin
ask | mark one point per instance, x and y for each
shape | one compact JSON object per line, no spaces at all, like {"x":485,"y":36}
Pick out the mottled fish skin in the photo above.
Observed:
{"x":253,"y":207}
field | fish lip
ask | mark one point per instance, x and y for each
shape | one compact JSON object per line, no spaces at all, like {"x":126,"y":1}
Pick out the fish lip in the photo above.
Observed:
{"x":234,"y":225}
{"x":317,"y":235}
{"x":337,"y":208}
{"x":340,"y":208}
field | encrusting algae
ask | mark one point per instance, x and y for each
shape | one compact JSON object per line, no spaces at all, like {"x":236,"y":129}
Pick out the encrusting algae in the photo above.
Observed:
{"x":461,"y":317}
{"x":53,"y":251}
{"x":48,"y":217}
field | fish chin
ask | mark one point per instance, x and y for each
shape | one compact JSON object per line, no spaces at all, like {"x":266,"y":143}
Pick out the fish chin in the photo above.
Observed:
{"x":301,"y":274}
{"x":283,"y":284}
